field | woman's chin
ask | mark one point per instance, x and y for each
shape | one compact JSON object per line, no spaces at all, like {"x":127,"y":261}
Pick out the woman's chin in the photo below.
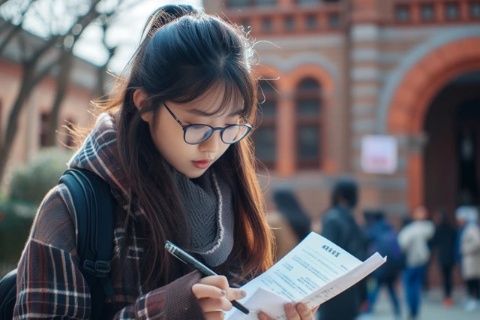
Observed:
{"x":193,"y":173}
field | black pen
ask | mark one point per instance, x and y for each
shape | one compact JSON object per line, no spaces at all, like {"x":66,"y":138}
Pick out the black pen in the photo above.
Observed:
{"x":183,"y":256}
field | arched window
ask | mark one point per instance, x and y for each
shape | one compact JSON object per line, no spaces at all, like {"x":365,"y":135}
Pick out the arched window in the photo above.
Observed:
{"x":308,"y":125}
{"x":264,"y":136}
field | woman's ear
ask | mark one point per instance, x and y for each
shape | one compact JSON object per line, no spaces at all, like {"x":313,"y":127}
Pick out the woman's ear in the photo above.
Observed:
{"x":140,"y":100}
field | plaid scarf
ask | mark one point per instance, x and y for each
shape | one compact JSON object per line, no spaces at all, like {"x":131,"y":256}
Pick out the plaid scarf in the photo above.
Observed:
{"x":207,"y":200}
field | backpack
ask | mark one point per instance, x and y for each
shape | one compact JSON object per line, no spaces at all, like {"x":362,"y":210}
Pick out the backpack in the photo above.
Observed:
{"x":94,"y":206}
{"x":387,"y":244}
{"x":352,"y":238}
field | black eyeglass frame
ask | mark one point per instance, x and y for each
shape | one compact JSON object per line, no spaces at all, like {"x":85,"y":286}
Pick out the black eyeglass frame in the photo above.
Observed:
{"x":213,"y":129}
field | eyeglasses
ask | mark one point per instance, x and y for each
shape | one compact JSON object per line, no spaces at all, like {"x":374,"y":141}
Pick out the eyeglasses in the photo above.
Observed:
{"x":197,"y":133}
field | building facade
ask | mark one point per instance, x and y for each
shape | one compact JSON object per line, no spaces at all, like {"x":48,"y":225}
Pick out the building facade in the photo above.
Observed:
{"x":335,"y":72}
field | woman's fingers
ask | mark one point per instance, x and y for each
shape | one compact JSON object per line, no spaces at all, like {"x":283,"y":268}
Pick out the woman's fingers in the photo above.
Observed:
{"x":210,"y":305}
{"x":214,"y":296}
{"x":201,"y":291}
{"x":212,"y":286}
{"x":263,"y":316}
{"x":305,"y":312}
{"x":293,"y":312}
{"x":216,"y":315}
{"x":216,"y":281}
{"x":235,"y":294}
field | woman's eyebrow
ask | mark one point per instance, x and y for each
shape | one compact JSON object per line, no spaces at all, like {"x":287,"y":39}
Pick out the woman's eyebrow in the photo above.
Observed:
{"x":236,"y":113}
{"x":207,"y":114}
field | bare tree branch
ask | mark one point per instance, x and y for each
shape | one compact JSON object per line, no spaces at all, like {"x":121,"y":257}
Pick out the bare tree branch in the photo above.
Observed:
{"x":111,"y":50}
{"x":33,"y":74}
{"x":13,"y":29}
{"x":106,"y":20}
{"x":82,"y":22}
{"x":41,"y":72}
{"x":3,"y":1}
{"x":62,"y":83}
{"x":22,"y":44}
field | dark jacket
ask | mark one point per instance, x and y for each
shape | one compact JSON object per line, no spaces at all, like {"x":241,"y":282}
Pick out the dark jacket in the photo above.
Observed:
{"x":383,"y":239}
{"x":445,"y":242}
{"x":339,"y":226}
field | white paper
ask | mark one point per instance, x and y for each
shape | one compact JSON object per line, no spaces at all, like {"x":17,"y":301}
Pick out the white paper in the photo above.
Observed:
{"x":313,"y":272}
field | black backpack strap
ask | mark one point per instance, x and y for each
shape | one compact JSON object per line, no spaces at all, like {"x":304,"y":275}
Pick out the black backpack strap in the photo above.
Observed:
{"x":94,"y":207}
{"x":8,"y":294}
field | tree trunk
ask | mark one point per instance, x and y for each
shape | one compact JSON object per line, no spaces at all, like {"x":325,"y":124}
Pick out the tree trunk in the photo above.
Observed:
{"x":63,"y":80}
{"x":101,"y":91}
{"x":6,"y":141}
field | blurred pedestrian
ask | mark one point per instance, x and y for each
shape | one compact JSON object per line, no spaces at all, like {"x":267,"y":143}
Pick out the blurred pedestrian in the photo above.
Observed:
{"x":444,"y":243}
{"x":340,"y":227}
{"x":290,"y":223}
{"x":382,"y":238}
{"x":470,"y":255}
{"x":413,"y":240}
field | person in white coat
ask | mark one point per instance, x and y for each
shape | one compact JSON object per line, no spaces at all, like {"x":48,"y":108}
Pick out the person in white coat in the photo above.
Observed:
{"x":470,"y":251}
{"x":413,"y":240}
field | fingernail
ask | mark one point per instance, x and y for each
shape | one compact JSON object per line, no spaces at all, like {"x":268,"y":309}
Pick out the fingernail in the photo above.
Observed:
{"x":243,"y":294}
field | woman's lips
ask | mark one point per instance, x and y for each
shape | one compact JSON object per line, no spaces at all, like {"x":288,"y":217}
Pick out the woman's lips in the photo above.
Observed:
{"x":201,"y":164}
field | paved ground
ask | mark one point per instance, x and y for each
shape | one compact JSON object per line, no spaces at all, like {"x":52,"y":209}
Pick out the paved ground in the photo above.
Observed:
{"x":432,"y":308}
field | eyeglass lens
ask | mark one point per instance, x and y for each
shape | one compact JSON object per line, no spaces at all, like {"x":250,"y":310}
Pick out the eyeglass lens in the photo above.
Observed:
{"x":199,"y":133}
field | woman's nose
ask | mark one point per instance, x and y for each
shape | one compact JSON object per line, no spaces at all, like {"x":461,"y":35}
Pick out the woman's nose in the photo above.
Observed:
{"x":212,"y":144}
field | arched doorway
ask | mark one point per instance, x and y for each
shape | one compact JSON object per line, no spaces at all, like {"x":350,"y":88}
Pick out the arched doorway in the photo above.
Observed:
{"x":412,"y":102}
{"x":451,"y":159}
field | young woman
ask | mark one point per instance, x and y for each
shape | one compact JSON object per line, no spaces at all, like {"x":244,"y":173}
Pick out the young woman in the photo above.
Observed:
{"x":174,"y":148}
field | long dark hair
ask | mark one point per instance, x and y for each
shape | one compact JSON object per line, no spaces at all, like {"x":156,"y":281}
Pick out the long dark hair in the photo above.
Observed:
{"x":289,"y":207}
{"x":183,"y":54}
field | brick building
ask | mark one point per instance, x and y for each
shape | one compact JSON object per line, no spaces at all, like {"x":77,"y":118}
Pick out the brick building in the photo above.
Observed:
{"x":337,"y":71}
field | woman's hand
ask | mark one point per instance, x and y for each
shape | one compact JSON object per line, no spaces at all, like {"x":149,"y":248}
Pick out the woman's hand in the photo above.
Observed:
{"x":293,"y":312}
{"x":214,"y":296}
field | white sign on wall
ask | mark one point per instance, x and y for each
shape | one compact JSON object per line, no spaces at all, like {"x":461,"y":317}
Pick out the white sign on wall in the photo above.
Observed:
{"x":379,"y":154}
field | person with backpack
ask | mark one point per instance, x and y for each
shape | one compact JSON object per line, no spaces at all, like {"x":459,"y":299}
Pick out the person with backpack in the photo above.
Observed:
{"x":340,"y":227}
{"x":382,"y":238}
{"x":173,"y":147}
